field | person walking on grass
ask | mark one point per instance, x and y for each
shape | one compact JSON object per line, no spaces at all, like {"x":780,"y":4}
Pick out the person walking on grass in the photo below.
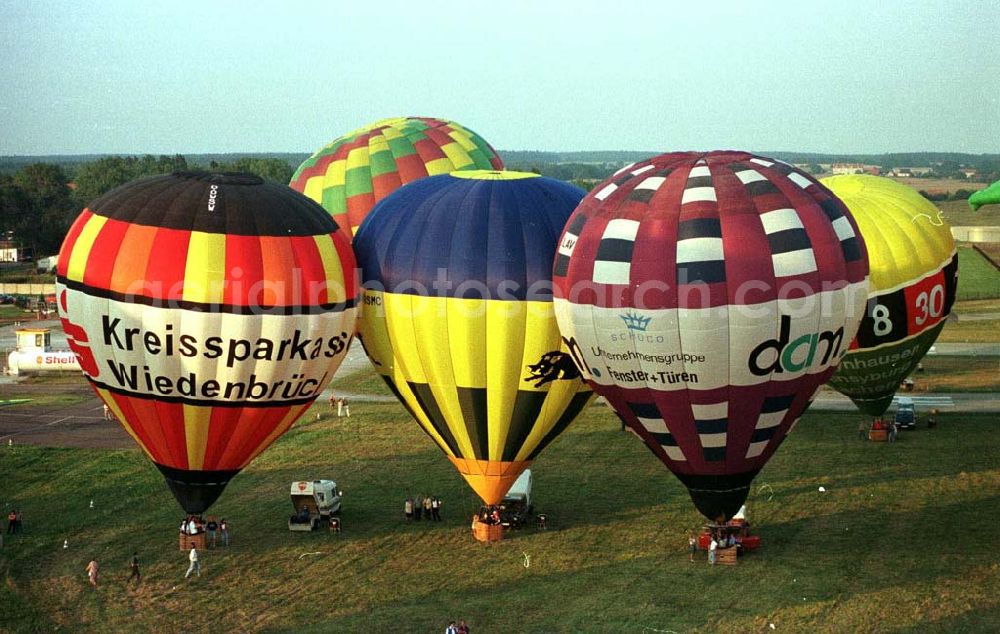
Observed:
{"x":92,"y":572}
{"x":133,"y":565}
{"x":195,"y":564}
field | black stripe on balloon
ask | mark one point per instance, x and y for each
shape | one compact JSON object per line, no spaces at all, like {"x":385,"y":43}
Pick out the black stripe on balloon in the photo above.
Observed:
{"x":576,"y":225}
{"x":714,"y":454}
{"x":523,"y":417}
{"x":644,"y":410}
{"x":699,"y":228}
{"x":643,"y":195}
{"x":615,"y":250}
{"x":698,"y":181}
{"x":852,"y":251}
{"x":576,"y":405}
{"x":203,"y":307}
{"x":561,"y":267}
{"x":707,"y":272}
{"x":475,"y":413}
{"x":831,"y":209}
{"x":950,"y":284}
{"x":429,"y":406}
{"x":238,"y":401}
{"x":239,"y":204}
{"x":761,"y":188}
{"x":665,"y":439}
{"x":767,"y":433}
{"x":712,"y":426}
{"x":774,"y":404}
{"x":789,"y":240}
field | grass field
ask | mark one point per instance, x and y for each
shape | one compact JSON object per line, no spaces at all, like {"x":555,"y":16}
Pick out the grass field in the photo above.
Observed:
{"x":901,"y":541}
{"x":959,"y":374}
{"x":977,"y":277}
{"x":959,"y":214}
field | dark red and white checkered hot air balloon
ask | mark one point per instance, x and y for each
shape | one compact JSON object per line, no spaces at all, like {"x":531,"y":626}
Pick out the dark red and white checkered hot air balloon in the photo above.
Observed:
{"x":707,"y":296}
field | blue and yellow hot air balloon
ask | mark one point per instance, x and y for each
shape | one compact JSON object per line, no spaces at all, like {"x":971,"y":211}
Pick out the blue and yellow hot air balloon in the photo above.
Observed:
{"x":457,"y":316}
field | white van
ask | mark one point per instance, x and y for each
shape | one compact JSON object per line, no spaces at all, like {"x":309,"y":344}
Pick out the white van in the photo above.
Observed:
{"x":516,"y":505}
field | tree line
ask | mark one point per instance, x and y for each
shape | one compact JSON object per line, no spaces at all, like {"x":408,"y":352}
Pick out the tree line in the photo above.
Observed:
{"x":39,"y":202}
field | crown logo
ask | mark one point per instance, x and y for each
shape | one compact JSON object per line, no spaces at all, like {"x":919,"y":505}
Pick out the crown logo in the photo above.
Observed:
{"x":636,"y":322}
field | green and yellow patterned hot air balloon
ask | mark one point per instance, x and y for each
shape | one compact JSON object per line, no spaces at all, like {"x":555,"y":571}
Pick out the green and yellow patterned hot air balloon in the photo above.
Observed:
{"x":357,"y":170}
{"x":914,"y":274}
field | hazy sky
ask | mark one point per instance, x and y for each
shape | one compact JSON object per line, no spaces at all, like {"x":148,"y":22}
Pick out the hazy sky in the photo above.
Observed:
{"x":142,"y":76}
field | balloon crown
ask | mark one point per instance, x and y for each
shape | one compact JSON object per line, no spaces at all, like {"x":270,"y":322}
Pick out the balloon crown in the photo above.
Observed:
{"x":221,"y":178}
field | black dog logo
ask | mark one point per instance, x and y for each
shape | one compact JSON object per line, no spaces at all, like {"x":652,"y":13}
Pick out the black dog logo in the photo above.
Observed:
{"x":552,"y":366}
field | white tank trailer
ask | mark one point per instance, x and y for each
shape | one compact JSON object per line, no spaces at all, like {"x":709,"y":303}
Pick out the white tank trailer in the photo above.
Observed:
{"x":34,"y":353}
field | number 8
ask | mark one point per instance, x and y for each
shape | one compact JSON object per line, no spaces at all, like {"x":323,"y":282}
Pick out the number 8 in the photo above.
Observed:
{"x":883,"y":325}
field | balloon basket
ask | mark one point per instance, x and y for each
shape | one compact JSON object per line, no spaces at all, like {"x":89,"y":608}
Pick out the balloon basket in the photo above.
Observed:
{"x":187,"y":541}
{"x":487,"y":532}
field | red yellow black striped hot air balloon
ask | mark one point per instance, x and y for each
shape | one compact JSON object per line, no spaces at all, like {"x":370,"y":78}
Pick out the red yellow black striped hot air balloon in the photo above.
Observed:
{"x":208,"y":312}
{"x":355,"y":171}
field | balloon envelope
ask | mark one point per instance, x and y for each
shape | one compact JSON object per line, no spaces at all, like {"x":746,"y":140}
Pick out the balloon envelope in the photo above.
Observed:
{"x":707,"y":297}
{"x":208,"y":312}
{"x":458,"y":319}
{"x":357,"y":170}
{"x":914,"y":276}
{"x":987,"y":196}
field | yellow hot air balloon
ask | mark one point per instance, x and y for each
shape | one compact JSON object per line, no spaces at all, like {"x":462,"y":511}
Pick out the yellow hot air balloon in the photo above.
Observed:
{"x":458,"y":316}
{"x":914,"y":274}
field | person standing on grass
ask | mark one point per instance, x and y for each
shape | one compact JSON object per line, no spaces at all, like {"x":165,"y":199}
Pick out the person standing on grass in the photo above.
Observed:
{"x":212,"y":527}
{"x":692,"y":546}
{"x":134,"y":567}
{"x":195,"y":564}
{"x":92,"y":572}
{"x":462,"y":627}
{"x":347,"y":407}
{"x":451,"y":629}
{"x":11,"y":521}
{"x":427,"y":508}
{"x":436,"y":508}
{"x":408,"y":509}
{"x":711,"y":550}
{"x":224,"y":529}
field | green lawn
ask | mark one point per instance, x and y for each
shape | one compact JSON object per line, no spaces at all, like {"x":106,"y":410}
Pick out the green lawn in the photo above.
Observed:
{"x":977,"y":278}
{"x":900,"y":541}
{"x":959,"y":214}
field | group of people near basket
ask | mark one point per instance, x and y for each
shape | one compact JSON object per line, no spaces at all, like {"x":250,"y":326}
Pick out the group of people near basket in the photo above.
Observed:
{"x":194,"y":525}
{"x":422,"y":506}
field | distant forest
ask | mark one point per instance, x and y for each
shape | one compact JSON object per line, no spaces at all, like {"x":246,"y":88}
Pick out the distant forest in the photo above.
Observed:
{"x":41,"y":195}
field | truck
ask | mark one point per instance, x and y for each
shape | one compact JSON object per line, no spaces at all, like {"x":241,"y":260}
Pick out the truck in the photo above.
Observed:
{"x":315,"y":503}
{"x":516,"y":506}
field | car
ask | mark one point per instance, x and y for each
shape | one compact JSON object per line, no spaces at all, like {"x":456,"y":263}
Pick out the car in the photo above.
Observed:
{"x":906,"y":416}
